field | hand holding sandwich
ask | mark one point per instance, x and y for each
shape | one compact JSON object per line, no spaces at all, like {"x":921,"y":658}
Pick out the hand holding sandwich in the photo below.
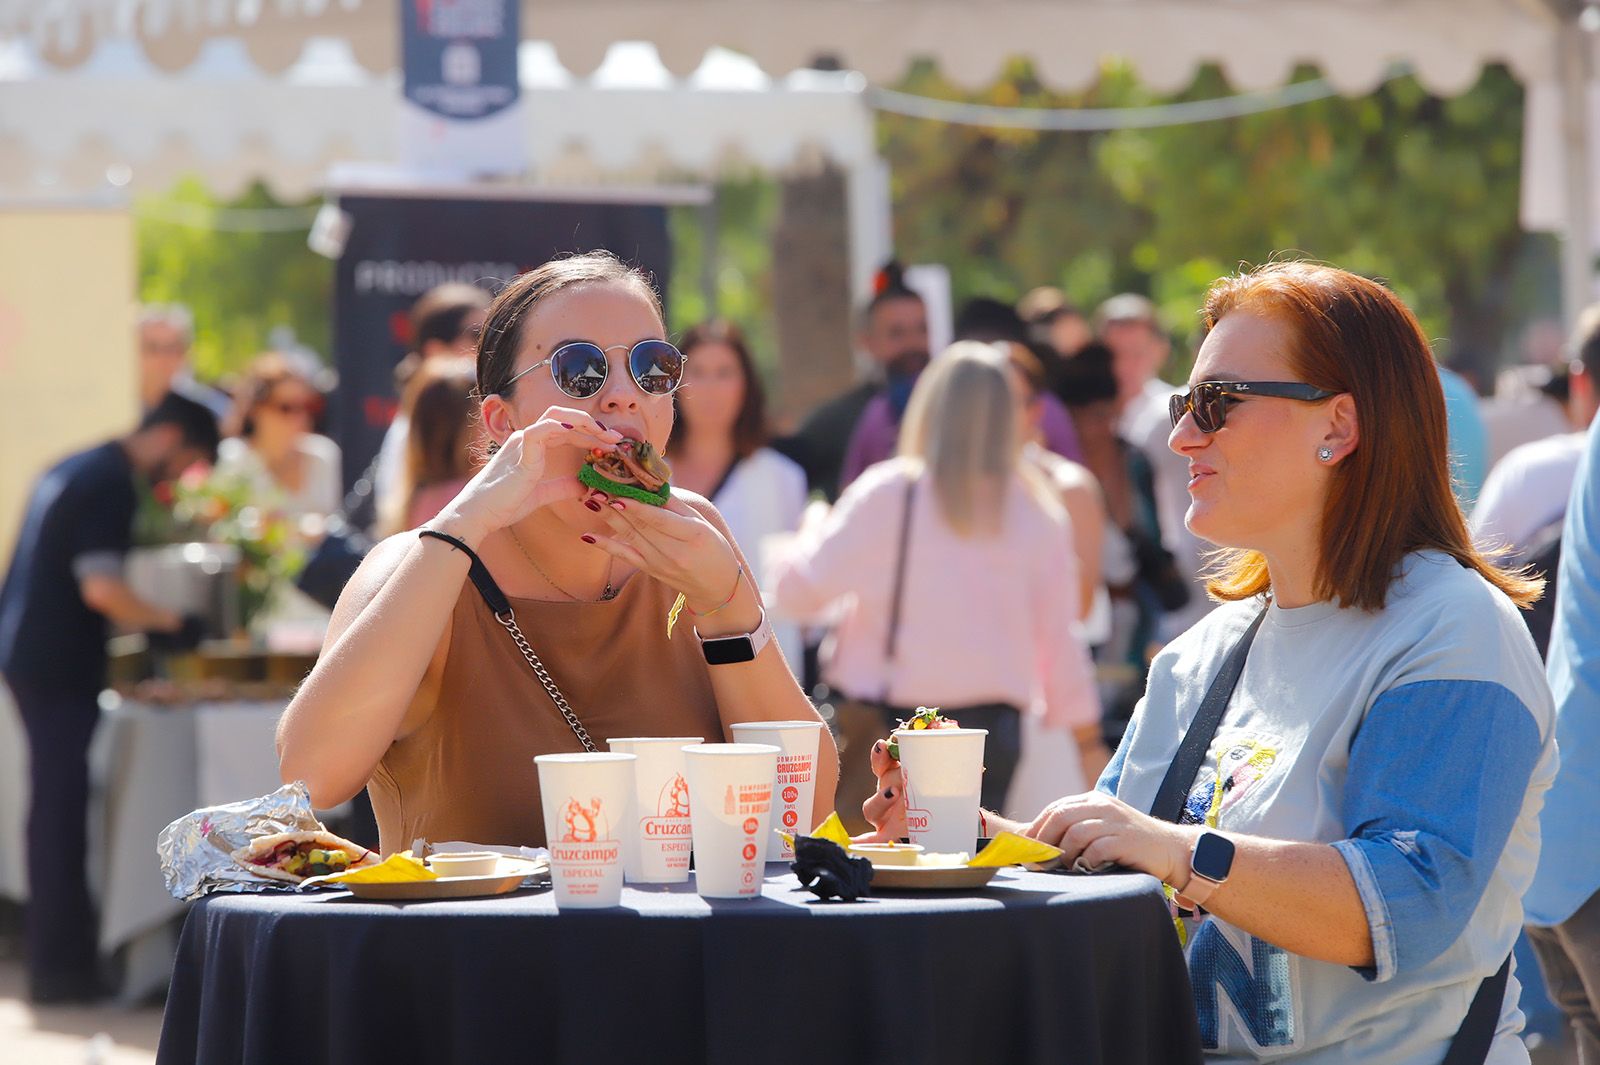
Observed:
{"x":678,"y":547}
{"x":513,"y":483}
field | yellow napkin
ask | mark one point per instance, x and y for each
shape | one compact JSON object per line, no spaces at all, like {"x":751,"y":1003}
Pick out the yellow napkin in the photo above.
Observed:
{"x":398,"y":868}
{"x":832,"y":829}
{"x":1008,"y":848}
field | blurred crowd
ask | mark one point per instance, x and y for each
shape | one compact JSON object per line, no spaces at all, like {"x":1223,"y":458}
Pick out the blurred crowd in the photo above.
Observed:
{"x":996,"y":529}
{"x":1057,"y":521}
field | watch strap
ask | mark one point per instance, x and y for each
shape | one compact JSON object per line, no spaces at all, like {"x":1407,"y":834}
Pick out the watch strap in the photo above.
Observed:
{"x":1195,"y":892}
{"x":757,"y":638}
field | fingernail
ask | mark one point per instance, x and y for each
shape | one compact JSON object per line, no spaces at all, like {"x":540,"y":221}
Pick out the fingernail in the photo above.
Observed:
{"x":566,"y":425}
{"x":601,"y":424}
{"x":600,"y":497}
{"x":878,"y":746}
{"x":888,"y":793}
{"x":586,"y":538}
{"x":616,"y":504}
{"x":592,"y":505}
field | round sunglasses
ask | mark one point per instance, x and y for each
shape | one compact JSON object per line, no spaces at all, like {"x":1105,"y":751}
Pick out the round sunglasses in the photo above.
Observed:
{"x":580,"y":368}
{"x":1210,"y":400}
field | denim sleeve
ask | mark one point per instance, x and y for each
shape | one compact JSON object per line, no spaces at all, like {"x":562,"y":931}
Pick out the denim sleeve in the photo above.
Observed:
{"x":1111,"y":775}
{"x":1437,"y":775}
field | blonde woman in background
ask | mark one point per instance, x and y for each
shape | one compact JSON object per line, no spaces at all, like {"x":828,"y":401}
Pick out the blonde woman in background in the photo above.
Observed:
{"x":442,"y":442}
{"x":989,"y":603}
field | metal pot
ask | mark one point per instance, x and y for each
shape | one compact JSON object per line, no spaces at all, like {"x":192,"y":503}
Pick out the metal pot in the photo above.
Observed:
{"x":196,"y":578}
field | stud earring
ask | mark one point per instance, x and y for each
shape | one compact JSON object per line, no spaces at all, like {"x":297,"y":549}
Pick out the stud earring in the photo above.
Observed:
{"x":1325,"y":454}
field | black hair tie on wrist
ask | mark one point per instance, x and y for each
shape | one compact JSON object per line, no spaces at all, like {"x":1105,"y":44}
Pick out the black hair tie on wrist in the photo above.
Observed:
{"x":477,"y":571}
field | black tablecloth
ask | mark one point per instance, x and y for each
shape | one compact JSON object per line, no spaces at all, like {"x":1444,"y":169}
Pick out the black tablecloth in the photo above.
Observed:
{"x":1035,"y":968}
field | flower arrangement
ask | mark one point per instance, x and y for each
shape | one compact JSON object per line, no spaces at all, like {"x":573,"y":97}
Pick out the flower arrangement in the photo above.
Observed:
{"x":204,"y":505}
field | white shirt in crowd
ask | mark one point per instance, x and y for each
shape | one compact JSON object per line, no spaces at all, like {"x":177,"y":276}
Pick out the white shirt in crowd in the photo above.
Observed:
{"x":1527,"y":492}
{"x":320,"y":492}
{"x":1146,"y":424}
{"x":764,"y":497}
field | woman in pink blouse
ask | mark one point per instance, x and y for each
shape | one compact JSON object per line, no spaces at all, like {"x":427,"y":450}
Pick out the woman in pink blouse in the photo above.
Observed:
{"x":988,"y":603}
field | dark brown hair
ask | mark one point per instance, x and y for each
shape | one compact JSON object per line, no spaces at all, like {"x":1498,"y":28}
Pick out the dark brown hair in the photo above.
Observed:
{"x":1392,"y":495}
{"x":750,"y":427}
{"x":267,"y":371}
{"x":502,"y":329}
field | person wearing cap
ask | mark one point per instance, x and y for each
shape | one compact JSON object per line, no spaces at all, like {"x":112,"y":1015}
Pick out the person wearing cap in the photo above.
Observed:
{"x":62,"y":592}
{"x":1129,"y":326}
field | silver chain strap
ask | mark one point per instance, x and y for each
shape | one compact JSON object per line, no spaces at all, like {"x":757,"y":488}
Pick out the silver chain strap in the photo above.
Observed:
{"x":509,"y":621}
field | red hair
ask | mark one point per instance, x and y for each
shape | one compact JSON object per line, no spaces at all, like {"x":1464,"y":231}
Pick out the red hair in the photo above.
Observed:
{"x":1392,"y":495}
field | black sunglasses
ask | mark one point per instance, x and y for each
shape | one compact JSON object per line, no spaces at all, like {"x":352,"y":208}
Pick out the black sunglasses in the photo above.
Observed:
{"x":1210,"y":400}
{"x":580,"y":368}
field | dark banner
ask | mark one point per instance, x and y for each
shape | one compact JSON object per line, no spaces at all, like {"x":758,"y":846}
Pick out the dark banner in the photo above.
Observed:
{"x":400,"y":247}
{"x":460,"y":56}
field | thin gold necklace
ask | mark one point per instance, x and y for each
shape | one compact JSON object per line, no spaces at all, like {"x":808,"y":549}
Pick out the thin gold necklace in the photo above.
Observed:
{"x":606,"y":596}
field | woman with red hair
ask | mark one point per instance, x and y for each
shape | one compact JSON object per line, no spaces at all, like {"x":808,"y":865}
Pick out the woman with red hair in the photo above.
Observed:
{"x":1337,"y":773}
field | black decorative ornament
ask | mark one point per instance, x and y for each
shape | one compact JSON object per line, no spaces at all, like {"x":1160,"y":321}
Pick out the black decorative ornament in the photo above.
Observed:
{"x":827,"y":871}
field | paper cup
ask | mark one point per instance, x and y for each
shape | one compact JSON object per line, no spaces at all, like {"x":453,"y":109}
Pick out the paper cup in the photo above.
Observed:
{"x":730,"y":807}
{"x":796,"y":783}
{"x":943,"y":771}
{"x":588,"y":814}
{"x":659,"y":851}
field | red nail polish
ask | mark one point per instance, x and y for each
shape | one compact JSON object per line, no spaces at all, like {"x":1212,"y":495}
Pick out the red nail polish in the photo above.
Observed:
{"x":601,"y":424}
{"x":565,"y":425}
{"x":616,"y":504}
{"x":589,"y":539}
{"x":592,"y":505}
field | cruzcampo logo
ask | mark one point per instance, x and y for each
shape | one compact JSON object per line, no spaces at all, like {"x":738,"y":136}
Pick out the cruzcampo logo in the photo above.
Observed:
{"x":672,"y":812}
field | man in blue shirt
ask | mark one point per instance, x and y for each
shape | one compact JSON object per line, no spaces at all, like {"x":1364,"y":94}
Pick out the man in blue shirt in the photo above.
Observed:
{"x":1563,"y":904}
{"x":62,"y":591}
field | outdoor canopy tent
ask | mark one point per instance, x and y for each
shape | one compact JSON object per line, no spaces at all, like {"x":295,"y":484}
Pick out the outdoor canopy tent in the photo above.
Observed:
{"x":1257,"y":43}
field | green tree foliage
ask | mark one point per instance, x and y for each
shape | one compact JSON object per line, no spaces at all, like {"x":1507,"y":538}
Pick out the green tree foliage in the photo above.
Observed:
{"x":1398,"y":184}
{"x":241,"y":266}
{"x":740,"y":232}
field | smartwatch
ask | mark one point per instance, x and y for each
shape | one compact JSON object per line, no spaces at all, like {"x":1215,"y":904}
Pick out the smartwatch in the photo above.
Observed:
{"x":1209,"y":865}
{"x":731,"y":650}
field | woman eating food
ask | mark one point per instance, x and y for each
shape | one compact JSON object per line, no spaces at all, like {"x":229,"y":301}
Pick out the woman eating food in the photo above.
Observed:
{"x":1338,"y":772}
{"x":631,"y":597}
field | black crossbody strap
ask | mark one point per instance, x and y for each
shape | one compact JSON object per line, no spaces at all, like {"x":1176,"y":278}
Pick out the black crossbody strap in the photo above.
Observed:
{"x":1472,"y":1041}
{"x":478,"y":572}
{"x":1168,"y":805}
{"x":1476,"y":1034}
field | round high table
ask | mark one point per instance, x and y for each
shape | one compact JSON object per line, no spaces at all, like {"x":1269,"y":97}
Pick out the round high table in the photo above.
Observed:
{"x":1034,"y":968}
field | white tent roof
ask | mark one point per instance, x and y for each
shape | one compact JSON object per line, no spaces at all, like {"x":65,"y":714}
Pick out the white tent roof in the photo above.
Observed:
{"x":1257,"y":42}
{"x":116,"y":122}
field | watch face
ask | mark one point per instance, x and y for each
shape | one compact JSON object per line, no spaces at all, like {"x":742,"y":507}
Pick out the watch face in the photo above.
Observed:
{"x":728,"y":652}
{"x":1213,"y":857}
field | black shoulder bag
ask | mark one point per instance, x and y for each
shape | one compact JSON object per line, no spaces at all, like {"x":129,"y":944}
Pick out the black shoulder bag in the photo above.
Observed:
{"x":1470,"y":1045}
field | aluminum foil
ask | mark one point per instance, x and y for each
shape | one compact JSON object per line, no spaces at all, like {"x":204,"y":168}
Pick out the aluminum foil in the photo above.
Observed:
{"x":195,"y":850}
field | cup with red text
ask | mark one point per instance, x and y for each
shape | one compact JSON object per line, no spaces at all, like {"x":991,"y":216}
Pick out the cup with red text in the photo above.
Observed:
{"x":796,"y":784}
{"x":662,"y":840}
{"x":730,"y":809}
{"x":588,"y":814}
{"x":943,"y":771}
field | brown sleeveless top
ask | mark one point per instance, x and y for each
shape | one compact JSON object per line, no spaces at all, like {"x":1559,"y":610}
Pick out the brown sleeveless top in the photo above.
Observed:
{"x":468,"y":773}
